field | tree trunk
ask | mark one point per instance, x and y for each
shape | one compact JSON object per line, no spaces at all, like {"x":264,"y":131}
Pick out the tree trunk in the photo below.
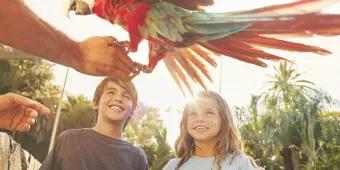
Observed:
{"x":295,"y":158}
{"x":287,"y":159}
{"x":290,"y":158}
{"x":13,"y":157}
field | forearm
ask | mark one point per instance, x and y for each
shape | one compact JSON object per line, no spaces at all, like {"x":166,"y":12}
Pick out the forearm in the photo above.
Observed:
{"x":22,"y":29}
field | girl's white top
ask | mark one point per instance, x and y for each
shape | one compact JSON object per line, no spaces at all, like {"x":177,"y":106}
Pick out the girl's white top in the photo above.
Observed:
{"x":239,"y":162}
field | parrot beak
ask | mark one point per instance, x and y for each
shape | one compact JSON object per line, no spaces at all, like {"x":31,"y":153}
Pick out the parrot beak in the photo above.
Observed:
{"x":81,"y":7}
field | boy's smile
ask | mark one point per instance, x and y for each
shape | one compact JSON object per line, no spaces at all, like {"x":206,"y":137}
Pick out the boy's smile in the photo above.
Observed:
{"x":117,"y":108}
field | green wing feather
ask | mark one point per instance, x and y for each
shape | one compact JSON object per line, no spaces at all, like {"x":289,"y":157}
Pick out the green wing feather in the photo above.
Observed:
{"x":199,"y":34}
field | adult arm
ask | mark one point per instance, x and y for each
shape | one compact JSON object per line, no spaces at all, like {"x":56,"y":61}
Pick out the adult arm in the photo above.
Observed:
{"x":22,"y":29}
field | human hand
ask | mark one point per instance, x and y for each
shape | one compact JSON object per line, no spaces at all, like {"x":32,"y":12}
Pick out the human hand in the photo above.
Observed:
{"x":18,"y":113}
{"x":104,"y":56}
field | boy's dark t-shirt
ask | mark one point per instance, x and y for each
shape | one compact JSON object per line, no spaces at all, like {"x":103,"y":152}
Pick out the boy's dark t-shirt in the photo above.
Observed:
{"x":86,"y":149}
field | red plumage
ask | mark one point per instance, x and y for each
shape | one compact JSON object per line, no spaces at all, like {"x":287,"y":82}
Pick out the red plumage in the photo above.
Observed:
{"x":184,"y":58}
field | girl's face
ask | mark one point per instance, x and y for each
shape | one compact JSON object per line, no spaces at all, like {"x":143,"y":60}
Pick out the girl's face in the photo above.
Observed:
{"x":204,"y":120}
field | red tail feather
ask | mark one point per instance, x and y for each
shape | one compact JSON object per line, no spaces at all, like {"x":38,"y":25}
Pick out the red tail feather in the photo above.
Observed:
{"x":221,"y":48}
{"x":278,"y":44}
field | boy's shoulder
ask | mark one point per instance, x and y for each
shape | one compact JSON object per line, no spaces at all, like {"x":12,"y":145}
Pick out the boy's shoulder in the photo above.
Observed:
{"x":73,"y":132}
{"x":139,"y":152}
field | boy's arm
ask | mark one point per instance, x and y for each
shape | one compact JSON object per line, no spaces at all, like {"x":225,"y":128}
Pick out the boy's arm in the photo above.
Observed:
{"x":22,"y":29}
{"x":52,"y":160}
{"x":143,"y":161}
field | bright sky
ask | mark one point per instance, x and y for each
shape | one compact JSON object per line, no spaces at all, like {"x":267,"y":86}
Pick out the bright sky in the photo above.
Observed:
{"x":239,"y":80}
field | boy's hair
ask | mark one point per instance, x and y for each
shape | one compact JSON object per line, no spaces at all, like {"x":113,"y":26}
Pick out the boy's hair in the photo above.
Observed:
{"x":228,"y":138}
{"x":127,"y":85}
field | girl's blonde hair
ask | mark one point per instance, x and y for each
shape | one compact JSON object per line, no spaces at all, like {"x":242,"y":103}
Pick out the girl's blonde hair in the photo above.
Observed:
{"x":228,"y":139}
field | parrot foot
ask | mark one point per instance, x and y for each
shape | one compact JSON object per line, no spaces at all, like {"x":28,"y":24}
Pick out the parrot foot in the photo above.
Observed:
{"x":144,"y":68}
{"x":147,"y":69}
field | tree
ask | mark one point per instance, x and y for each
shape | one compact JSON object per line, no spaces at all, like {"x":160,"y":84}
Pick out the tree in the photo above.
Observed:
{"x":285,"y":120}
{"x":76,"y":113}
{"x":32,"y":78}
{"x":147,"y":131}
{"x":163,"y":150}
{"x":328,"y":142}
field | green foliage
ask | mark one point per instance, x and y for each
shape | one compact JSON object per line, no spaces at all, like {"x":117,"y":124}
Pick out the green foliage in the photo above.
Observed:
{"x":283,"y":127}
{"x":147,"y":131}
{"x":4,"y":76}
{"x":328,"y":142}
{"x":31,"y":78}
{"x":76,"y":113}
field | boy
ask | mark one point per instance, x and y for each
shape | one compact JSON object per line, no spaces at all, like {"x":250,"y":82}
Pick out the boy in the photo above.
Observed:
{"x":101,"y":147}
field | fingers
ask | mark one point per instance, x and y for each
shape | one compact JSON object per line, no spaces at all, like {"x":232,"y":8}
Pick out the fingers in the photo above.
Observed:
{"x":110,"y":40}
{"x":23,"y":118}
{"x":24,"y":127}
{"x":105,"y":56}
{"x":16,"y":117}
{"x":25,"y":112}
{"x":17,"y":99}
{"x":31,"y":113}
{"x":41,"y":108}
{"x":126,"y":60}
{"x":28,"y":120}
{"x":124,"y":44}
{"x":120,"y":65}
{"x":121,"y":61}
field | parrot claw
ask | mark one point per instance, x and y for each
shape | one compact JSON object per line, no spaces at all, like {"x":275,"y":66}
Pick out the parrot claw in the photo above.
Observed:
{"x":138,"y":68}
{"x":147,"y":69}
{"x":141,"y":67}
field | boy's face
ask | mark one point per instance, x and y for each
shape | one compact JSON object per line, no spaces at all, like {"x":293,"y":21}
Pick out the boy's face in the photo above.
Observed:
{"x":115,"y":104}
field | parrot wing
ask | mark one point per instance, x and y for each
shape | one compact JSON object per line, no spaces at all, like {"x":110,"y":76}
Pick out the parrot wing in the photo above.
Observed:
{"x":195,"y":39}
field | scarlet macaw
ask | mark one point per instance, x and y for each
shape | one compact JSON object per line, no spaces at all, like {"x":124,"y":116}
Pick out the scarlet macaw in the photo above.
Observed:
{"x":186,"y":37}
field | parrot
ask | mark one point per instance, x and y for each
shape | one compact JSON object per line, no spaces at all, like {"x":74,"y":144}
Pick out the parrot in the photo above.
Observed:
{"x":189,"y":39}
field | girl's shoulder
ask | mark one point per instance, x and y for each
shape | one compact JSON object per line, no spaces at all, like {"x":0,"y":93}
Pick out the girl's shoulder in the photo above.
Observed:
{"x":171,"y":165}
{"x":232,"y":161}
{"x":242,"y":161}
{"x":241,"y":157}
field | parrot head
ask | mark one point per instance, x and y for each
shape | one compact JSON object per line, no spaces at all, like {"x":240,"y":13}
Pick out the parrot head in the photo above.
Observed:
{"x":81,"y":7}
{"x":129,"y":14}
{"x":86,"y":7}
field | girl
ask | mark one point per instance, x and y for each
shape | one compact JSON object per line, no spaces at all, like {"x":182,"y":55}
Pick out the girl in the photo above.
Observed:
{"x":209,"y":139}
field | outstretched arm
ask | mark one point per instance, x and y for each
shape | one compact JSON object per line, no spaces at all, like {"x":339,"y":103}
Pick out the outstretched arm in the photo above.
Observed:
{"x":22,"y":29}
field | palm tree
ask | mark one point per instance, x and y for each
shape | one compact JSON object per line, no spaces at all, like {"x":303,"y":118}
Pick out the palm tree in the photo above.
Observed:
{"x":287,"y":121}
{"x":290,"y":122}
